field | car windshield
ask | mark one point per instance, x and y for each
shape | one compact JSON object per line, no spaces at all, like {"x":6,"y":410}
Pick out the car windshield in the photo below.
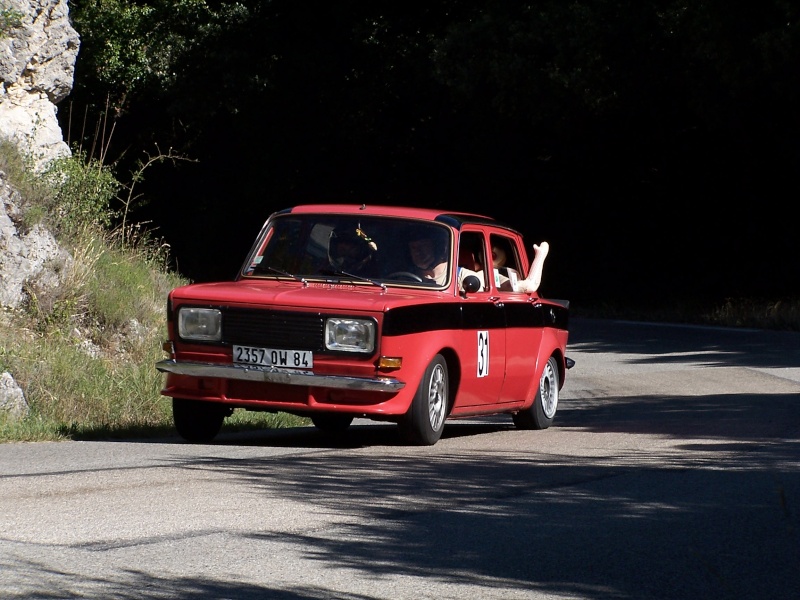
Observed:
{"x":379,"y":249}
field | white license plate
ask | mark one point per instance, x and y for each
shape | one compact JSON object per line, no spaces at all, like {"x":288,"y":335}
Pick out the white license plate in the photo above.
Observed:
{"x":271,"y":357}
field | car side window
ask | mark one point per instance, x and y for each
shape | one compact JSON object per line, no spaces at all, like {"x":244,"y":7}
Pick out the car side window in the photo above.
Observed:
{"x":472,"y":258}
{"x":505,"y":263}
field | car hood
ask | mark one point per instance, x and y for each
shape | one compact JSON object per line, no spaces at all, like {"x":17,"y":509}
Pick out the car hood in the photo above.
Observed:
{"x":322,"y":296}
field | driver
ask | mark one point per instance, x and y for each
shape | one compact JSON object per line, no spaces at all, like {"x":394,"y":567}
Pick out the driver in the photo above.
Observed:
{"x":351,"y":250}
{"x":428,"y":250}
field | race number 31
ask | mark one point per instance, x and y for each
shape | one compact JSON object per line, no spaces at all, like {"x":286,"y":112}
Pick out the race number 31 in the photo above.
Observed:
{"x":483,"y":353}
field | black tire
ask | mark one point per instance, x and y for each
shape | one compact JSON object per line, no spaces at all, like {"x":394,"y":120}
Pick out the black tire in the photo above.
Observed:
{"x":424,"y":422}
{"x":331,"y":422}
{"x":198,"y":422}
{"x":541,"y":413}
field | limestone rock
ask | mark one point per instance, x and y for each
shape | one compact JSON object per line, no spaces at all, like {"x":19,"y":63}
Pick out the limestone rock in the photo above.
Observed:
{"x":33,"y":257}
{"x":37,"y":67}
{"x":12,"y":400}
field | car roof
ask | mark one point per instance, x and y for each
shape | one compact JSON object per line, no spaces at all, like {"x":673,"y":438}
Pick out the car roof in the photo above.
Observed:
{"x":453,"y":218}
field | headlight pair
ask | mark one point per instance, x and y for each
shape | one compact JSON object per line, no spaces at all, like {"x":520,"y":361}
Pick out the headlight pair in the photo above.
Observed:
{"x":342,"y":334}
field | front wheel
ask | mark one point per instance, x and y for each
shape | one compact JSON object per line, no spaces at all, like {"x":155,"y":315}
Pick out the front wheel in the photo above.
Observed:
{"x":198,"y":422}
{"x":424,"y":422}
{"x":540,"y":414}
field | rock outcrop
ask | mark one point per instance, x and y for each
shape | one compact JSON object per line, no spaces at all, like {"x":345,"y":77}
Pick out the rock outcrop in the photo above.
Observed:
{"x":37,"y":66}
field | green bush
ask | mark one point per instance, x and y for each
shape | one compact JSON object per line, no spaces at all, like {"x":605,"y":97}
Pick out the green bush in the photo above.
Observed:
{"x":83,"y":191}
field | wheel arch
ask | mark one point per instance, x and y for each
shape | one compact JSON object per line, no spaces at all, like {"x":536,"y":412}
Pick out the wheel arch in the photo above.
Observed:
{"x":530,"y":396}
{"x":426,"y":347}
{"x":453,"y":373}
{"x":562,"y":369}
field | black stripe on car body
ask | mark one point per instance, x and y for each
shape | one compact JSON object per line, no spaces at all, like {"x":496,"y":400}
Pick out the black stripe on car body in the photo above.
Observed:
{"x":483,"y":315}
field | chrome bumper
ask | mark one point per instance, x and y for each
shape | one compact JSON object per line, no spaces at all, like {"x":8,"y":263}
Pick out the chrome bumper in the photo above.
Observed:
{"x":272,"y":375}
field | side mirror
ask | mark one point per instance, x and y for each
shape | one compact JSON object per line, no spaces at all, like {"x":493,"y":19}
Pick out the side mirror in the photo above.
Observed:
{"x":471,"y":284}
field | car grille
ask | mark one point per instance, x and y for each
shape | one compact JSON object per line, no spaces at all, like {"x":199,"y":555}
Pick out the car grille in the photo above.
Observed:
{"x":273,"y":329}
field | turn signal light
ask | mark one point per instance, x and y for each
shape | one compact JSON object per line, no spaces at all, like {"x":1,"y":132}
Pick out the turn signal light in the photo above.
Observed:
{"x":390,"y":362}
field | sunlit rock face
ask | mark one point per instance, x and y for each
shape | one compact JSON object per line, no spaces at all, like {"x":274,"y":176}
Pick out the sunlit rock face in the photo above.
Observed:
{"x":37,"y":67}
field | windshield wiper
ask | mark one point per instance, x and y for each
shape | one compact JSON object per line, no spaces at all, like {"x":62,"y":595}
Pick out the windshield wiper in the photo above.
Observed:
{"x":286,"y":274}
{"x":340,"y":273}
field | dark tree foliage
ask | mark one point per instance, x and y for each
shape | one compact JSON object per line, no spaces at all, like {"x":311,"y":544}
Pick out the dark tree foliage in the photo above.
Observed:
{"x":650,"y":142}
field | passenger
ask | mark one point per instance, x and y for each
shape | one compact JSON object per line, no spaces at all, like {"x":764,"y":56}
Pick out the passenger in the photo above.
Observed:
{"x":499,"y":262}
{"x":350,"y":250}
{"x":501,"y":281}
{"x":498,"y":257}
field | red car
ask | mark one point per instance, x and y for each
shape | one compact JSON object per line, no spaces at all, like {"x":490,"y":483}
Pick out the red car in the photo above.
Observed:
{"x":405,"y":315}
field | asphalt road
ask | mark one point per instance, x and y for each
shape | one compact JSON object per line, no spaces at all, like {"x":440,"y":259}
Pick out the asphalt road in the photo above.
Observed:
{"x":672,"y":471}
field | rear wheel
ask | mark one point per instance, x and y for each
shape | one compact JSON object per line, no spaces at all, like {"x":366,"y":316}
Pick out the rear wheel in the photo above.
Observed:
{"x":331,"y":422}
{"x":541,"y":413}
{"x":424,"y":422}
{"x":198,"y":422}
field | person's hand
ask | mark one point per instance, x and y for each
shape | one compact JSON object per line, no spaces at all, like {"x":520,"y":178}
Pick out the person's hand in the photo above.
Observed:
{"x":531,"y":283}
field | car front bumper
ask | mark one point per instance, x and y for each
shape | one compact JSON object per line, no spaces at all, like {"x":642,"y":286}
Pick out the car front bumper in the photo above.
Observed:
{"x":282,"y":376}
